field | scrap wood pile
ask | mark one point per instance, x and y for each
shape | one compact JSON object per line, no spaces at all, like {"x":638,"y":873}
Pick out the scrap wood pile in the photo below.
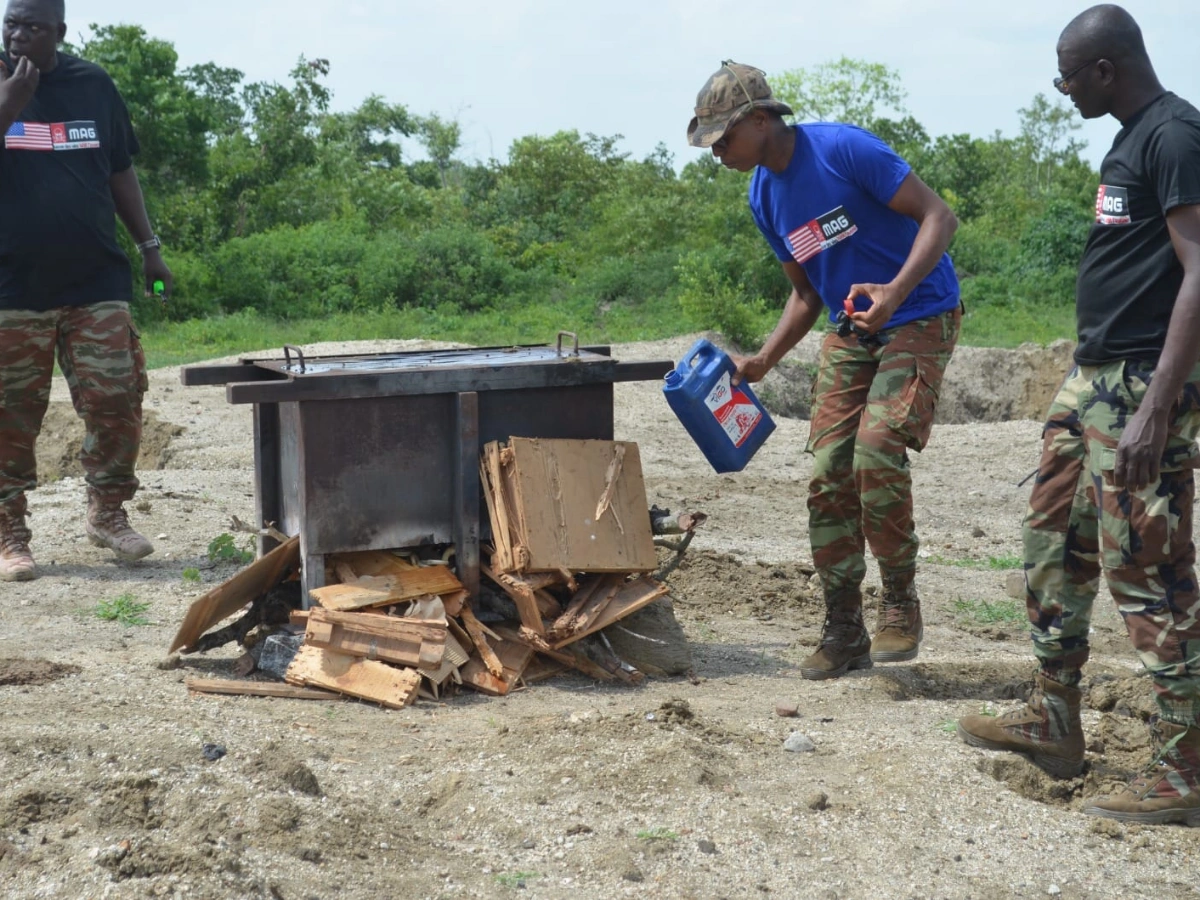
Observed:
{"x":571,"y":548}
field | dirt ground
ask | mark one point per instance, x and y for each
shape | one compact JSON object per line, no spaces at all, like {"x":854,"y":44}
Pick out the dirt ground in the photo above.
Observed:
{"x":680,"y":788}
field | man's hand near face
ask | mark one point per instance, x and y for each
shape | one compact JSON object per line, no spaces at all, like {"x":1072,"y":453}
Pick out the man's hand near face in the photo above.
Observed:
{"x":16,"y":89}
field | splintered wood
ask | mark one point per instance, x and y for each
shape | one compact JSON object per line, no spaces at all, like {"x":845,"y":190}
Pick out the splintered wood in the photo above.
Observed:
{"x":567,"y":506}
{"x":571,"y":546}
{"x":571,"y":537}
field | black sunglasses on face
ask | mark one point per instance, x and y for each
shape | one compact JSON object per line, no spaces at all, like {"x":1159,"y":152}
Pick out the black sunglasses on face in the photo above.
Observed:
{"x":1062,"y":82}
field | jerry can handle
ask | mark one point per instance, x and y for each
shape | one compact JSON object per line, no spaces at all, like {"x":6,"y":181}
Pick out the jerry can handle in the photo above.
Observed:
{"x":575,"y":342}
{"x":701,"y":348}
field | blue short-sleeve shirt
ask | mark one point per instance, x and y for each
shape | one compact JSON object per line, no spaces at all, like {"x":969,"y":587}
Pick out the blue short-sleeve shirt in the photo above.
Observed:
{"x":828,"y":210}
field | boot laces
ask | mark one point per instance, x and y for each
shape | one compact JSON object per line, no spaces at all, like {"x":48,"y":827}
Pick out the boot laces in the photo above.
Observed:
{"x":838,"y":629}
{"x":113,"y":519}
{"x":896,"y":614}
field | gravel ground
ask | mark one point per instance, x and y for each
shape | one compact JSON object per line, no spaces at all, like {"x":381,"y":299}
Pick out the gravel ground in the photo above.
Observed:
{"x":680,"y":788}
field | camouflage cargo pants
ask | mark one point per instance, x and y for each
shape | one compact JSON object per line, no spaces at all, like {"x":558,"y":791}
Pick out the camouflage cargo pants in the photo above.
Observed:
{"x":1080,"y":524}
{"x":101,"y":357}
{"x":871,"y":405}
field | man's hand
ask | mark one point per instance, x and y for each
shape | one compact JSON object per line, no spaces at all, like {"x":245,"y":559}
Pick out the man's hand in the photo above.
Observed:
{"x":1140,"y":450}
{"x":154,"y":269}
{"x":17,"y":87}
{"x":750,"y":369}
{"x":885,"y":300}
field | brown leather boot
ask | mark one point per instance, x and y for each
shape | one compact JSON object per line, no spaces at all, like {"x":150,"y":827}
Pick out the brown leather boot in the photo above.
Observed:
{"x":108,"y":526}
{"x":16,"y":561}
{"x":845,"y":643}
{"x":1168,"y":790}
{"x":1047,"y":730}
{"x":899,"y":628}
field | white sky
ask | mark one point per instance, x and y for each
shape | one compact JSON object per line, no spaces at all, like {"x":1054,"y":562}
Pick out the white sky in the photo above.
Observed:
{"x":509,"y":68}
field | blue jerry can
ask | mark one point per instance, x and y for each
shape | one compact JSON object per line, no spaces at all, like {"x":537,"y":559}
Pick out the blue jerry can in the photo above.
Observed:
{"x":727,"y":423}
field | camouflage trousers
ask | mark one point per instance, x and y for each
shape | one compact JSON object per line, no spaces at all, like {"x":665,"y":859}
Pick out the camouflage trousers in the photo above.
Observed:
{"x":1080,"y":524}
{"x":871,"y":405}
{"x":101,"y":358}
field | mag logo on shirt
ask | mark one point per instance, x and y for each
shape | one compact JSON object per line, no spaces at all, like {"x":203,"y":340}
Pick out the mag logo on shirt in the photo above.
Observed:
{"x":1112,"y":206}
{"x":821,"y":233}
{"x":78,"y":135}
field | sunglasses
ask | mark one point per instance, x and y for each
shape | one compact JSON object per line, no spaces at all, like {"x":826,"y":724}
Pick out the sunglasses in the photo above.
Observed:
{"x":1063,"y":82}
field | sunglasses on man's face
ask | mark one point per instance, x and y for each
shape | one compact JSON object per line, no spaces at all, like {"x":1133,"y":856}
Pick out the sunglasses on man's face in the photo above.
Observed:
{"x":1063,"y":82}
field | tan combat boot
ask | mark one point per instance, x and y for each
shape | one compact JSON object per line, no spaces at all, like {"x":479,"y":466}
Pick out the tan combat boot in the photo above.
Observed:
{"x":108,"y":526}
{"x":899,"y":628}
{"x":1168,"y":790}
{"x":16,"y":562}
{"x":1047,"y":731}
{"x":845,"y":643}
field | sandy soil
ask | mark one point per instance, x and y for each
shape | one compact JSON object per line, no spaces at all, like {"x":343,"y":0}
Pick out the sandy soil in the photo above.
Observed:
{"x":679,"y":788}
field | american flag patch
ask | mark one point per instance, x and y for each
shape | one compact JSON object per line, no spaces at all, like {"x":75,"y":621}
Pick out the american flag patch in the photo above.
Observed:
{"x":28,"y":136}
{"x":821,"y":233}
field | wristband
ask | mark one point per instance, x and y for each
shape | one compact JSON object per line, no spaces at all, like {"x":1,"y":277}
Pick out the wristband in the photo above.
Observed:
{"x":152,"y":244}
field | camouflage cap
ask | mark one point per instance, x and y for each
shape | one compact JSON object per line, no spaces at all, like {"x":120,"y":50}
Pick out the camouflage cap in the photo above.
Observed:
{"x":728,"y":95}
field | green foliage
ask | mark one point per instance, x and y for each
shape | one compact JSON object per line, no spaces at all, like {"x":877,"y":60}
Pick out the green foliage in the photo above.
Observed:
{"x":988,"y":612}
{"x":711,"y":300}
{"x":224,"y":548}
{"x":124,"y":610}
{"x":191,"y":576}
{"x":276,"y":208}
{"x":515,"y":879}
{"x":997,"y":563}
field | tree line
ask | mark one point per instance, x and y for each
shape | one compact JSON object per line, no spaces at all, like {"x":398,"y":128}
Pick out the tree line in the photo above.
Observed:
{"x":270,"y":201}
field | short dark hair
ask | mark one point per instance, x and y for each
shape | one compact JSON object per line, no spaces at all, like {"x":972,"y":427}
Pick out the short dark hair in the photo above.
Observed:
{"x":1107,"y":31}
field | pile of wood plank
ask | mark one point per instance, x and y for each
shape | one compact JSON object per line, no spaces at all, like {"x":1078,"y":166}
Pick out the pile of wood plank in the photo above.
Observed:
{"x":571,"y":550}
{"x":571,"y":545}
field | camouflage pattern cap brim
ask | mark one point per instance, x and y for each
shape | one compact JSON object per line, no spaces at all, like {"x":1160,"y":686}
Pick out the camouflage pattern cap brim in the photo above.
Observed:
{"x":705,"y":134}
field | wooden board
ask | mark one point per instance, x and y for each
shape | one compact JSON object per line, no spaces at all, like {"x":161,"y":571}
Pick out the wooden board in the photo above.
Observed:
{"x":240,"y":688}
{"x":581,"y":506}
{"x":384,"y":590}
{"x":631,"y":597}
{"x":243,"y":588}
{"x":363,"y":678}
{"x":403,"y":642}
{"x":523,"y":592}
{"x":513,"y":657}
{"x":370,"y":562}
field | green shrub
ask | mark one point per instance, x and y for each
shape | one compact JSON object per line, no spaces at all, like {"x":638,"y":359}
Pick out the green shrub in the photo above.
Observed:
{"x":712,"y":301}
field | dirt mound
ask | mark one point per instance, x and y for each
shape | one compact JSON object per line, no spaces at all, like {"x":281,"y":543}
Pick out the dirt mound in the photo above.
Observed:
{"x":33,"y":672}
{"x":62,"y":435}
{"x":982,"y":384}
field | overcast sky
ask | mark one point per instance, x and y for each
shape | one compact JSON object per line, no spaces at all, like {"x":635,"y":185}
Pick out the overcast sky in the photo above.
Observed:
{"x":509,"y":68}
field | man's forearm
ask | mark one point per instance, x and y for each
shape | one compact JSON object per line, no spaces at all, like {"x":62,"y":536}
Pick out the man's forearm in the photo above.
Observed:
{"x":932,"y":240}
{"x":797,"y":320}
{"x":130,"y":204}
{"x":1180,"y":351}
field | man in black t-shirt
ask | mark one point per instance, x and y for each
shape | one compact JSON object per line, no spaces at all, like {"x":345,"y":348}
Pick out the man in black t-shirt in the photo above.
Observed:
{"x":66,"y":174}
{"x":1115,"y":489}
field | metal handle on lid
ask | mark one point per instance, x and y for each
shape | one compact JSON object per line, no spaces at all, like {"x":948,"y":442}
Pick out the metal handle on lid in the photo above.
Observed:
{"x":288,"y":350}
{"x":575,"y":341}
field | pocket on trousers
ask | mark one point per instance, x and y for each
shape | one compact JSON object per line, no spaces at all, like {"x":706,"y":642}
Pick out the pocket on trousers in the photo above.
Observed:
{"x":913,"y":406}
{"x":1137,"y":529}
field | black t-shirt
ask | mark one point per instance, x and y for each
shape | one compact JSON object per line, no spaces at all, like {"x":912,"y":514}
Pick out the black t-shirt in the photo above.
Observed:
{"x":1130,"y":276}
{"x":58,"y":234}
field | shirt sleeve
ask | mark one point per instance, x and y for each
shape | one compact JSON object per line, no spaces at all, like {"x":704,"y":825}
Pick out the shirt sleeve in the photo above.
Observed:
{"x":871,"y":164}
{"x":124,"y":142}
{"x":1175,"y":164}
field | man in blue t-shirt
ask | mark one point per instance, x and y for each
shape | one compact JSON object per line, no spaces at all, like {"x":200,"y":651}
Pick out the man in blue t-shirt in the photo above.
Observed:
{"x":860,"y":236}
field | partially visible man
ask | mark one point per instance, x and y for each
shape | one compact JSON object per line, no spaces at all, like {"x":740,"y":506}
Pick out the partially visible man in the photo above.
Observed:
{"x":851,"y":224}
{"x":1115,"y":487}
{"x":65,"y":169}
